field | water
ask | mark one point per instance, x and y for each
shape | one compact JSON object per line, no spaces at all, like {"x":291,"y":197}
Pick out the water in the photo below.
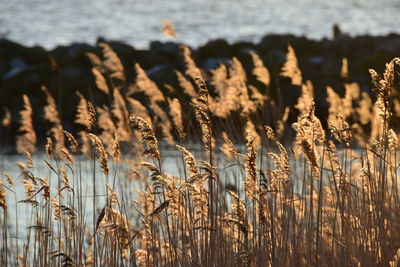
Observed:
{"x":50,"y":23}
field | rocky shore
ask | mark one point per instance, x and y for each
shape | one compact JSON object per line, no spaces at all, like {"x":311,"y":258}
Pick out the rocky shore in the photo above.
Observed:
{"x":65,"y":69}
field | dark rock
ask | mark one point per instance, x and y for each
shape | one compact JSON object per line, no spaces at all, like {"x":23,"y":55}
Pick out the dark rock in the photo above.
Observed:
{"x":66,"y":69}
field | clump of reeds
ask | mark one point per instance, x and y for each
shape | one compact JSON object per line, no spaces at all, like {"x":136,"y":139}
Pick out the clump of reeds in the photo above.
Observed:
{"x":318,"y":201}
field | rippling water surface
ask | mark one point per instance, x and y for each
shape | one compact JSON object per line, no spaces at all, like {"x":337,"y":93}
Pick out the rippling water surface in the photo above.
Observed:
{"x":137,"y":22}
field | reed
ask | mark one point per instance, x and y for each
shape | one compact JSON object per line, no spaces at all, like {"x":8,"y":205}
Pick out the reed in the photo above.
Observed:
{"x":328,"y":197}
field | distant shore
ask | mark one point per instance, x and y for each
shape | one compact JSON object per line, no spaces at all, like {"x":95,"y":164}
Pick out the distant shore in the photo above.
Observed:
{"x":66,"y":69}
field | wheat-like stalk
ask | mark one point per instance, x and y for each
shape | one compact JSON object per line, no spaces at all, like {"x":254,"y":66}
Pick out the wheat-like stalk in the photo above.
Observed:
{"x":291,"y":69}
{"x":101,"y":152}
{"x":148,"y":136}
{"x":26,"y":138}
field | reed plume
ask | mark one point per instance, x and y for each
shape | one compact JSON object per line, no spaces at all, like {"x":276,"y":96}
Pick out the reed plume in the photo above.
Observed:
{"x":202,"y":113}
{"x":143,"y":84}
{"x":341,"y":130}
{"x":94,"y":59}
{"x":344,"y":71}
{"x":306,"y":98}
{"x":191,"y":68}
{"x":190,"y":161}
{"x":101,"y":82}
{"x":281,"y":161}
{"x":259,"y":70}
{"x":3,"y":197}
{"x":175,"y":111}
{"x":65,"y":155}
{"x":228,"y":148}
{"x":85,"y":113}
{"x":291,"y":69}
{"x":116,"y":149}
{"x":148,"y":136}
{"x":10,"y":180}
{"x":121,"y":113}
{"x":26,"y":137}
{"x":49,"y":148}
{"x":309,"y":135}
{"x":6,"y":121}
{"x":71,"y":139}
{"x":111,"y":62}
{"x":101,"y":152}
{"x":237,"y":79}
{"x":163,"y":122}
{"x":227,"y":93}
{"x":51,"y":115}
{"x":186,"y":85}
{"x":250,"y":183}
{"x":136,"y":108}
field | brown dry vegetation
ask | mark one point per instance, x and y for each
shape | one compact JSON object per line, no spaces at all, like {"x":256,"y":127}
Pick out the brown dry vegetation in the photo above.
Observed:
{"x":331,"y":198}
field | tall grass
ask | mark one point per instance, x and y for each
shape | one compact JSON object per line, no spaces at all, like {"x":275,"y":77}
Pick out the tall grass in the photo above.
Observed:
{"x":330,"y":197}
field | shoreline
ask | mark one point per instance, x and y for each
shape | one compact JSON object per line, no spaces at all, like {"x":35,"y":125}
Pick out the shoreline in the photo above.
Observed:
{"x":65,"y":69}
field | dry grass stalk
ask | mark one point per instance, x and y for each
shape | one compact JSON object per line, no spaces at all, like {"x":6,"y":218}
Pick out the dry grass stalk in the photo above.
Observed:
{"x":148,"y":136}
{"x":250,"y":130}
{"x":163,"y":122}
{"x":186,"y":85}
{"x":49,"y":148}
{"x":94,"y":59}
{"x":3,"y":197}
{"x":191,"y":68}
{"x":29,"y":160}
{"x":257,"y":97}
{"x":175,"y":111}
{"x":201,"y":112}
{"x":116,"y":150}
{"x":51,"y":114}
{"x":227,"y":100}
{"x":341,"y":130}
{"x":393,"y":141}
{"x":6,"y":121}
{"x":26,"y":138}
{"x":306,"y":98}
{"x":56,"y":209}
{"x":121,"y":113}
{"x":111,"y":62}
{"x":85,"y":145}
{"x":65,"y":155}
{"x":85,"y":113}
{"x":143,"y":84}
{"x":363,"y":110}
{"x":291,"y":69}
{"x":309,"y":135}
{"x":101,"y":152}
{"x":259,"y":70}
{"x":101,"y":82}
{"x":228,"y":148}
{"x":10,"y":180}
{"x":237,"y":79}
{"x":138,"y":109}
{"x":29,"y":188}
{"x":281,"y":161}
{"x":190,"y":161}
{"x":250,"y":183}
{"x":280,"y":125}
{"x":71,"y":139}
{"x":106,"y":125}
{"x":344,"y":71}
{"x":65,"y":179}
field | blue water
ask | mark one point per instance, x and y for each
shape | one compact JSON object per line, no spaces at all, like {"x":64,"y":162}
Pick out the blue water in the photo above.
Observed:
{"x":137,"y":22}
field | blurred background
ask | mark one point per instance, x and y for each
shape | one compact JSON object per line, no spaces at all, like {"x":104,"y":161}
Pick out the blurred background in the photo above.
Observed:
{"x":137,"y":22}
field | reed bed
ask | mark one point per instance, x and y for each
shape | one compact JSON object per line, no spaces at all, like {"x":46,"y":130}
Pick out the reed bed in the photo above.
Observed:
{"x":246,"y":196}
